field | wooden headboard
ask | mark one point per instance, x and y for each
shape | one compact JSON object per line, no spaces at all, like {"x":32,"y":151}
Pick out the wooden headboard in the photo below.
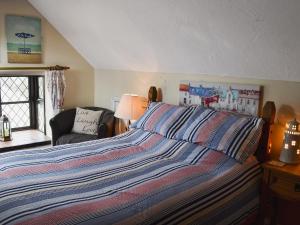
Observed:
{"x":268,"y":115}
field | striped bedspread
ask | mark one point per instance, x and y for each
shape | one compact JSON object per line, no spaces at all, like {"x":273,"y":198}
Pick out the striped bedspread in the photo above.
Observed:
{"x":135,"y":178}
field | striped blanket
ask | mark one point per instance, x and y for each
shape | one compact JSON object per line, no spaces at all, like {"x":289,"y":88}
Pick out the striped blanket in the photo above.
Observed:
{"x":135,"y":178}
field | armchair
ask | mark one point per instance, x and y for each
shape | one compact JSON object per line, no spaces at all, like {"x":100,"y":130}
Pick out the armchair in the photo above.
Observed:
{"x":62,"y":124}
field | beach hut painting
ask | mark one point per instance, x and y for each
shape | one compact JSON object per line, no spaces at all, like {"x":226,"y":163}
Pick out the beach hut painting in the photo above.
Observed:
{"x":23,"y":39}
{"x":244,"y":99}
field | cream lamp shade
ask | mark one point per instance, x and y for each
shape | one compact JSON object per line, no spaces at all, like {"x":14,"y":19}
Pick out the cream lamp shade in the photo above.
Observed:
{"x":131,"y":107}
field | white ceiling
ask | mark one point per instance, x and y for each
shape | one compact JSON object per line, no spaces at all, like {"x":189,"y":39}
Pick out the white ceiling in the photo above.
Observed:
{"x":245,"y":38}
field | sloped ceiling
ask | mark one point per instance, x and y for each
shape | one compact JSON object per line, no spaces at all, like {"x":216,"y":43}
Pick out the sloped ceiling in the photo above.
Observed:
{"x":245,"y":38}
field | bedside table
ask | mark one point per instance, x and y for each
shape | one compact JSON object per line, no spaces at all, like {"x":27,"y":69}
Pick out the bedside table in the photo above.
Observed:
{"x":280,"y":190}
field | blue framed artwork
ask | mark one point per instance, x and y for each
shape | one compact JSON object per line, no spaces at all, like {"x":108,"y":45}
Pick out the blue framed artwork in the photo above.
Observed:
{"x":23,"y":39}
{"x":240,"y":98}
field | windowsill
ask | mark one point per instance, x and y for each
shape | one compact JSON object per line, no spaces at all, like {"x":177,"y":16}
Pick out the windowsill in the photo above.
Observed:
{"x":25,"y":139}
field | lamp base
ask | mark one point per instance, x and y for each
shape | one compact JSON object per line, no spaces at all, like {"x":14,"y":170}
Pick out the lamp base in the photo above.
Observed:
{"x":5,"y":139}
{"x":289,"y":156}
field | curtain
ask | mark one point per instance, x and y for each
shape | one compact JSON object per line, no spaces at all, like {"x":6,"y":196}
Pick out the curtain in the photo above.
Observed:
{"x":55,"y":82}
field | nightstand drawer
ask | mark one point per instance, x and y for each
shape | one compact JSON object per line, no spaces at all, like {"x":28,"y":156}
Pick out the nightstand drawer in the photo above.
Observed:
{"x":280,"y":198}
{"x":286,"y":190}
{"x":287,"y":187}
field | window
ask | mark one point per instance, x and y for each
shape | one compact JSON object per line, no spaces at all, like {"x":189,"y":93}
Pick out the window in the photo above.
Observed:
{"x":22,"y":101}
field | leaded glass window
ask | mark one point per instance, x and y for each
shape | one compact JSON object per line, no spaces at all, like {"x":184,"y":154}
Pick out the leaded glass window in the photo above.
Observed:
{"x":22,"y":101}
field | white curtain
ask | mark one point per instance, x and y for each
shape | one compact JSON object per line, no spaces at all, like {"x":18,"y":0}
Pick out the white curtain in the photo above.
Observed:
{"x":56,"y":84}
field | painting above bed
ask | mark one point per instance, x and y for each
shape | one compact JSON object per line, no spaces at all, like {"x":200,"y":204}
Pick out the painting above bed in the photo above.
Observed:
{"x":238,"y":98}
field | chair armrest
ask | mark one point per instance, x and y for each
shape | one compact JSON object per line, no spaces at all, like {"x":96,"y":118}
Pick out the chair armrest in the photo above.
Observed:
{"x":102,"y":131}
{"x":62,"y":123}
{"x":108,"y":119}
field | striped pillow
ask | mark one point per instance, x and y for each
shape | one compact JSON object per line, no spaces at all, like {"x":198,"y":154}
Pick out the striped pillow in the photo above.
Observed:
{"x":164,"y":119}
{"x":235,"y":135}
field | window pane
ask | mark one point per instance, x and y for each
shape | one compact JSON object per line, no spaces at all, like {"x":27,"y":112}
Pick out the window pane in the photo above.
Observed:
{"x":41,"y":87}
{"x":41,"y":116}
{"x":14,"y":89}
{"x":18,"y":114}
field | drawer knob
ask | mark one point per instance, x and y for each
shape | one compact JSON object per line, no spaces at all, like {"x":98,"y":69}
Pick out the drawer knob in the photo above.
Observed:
{"x":297,"y":187}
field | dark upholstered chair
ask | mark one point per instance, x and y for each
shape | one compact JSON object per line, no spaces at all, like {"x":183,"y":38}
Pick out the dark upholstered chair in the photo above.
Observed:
{"x":62,"y":124}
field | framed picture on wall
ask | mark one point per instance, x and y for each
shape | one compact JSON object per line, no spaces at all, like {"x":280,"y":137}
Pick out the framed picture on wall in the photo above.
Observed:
{"x":240,"y":98}
{"x":23,"y":36}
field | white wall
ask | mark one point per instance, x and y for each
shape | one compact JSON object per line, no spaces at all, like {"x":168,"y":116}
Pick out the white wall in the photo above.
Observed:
{"x":56,"y":50}
{"x":113,"y":83}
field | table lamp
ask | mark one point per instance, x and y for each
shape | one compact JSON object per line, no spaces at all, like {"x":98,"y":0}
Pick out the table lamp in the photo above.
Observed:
{"x":131,"y":107}
{"x":5,"y":129}
{"x":290,"y":152}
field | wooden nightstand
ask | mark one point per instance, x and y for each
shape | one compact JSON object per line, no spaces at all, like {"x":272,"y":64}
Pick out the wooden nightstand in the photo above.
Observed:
{"x":280,"y":200}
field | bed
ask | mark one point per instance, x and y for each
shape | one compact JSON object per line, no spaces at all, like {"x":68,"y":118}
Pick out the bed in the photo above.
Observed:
{"x":157,"y":173}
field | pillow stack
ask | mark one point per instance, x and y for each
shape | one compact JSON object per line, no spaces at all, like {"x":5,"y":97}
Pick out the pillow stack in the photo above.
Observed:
{"x":234,"y":134}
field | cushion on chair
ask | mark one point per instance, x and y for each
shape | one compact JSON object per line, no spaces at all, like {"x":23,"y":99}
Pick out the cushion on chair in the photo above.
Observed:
{"x":86,"y":121}
{"x":75,"y":138}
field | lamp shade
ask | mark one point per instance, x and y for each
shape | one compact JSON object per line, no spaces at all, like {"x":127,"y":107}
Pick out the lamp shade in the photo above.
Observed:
{"x":131,"y":107}
{"x":290,"y":152}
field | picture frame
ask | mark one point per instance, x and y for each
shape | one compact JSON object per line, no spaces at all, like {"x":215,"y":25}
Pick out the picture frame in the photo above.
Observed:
{"x":23,"y":36}
{"x":240,"y":98}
